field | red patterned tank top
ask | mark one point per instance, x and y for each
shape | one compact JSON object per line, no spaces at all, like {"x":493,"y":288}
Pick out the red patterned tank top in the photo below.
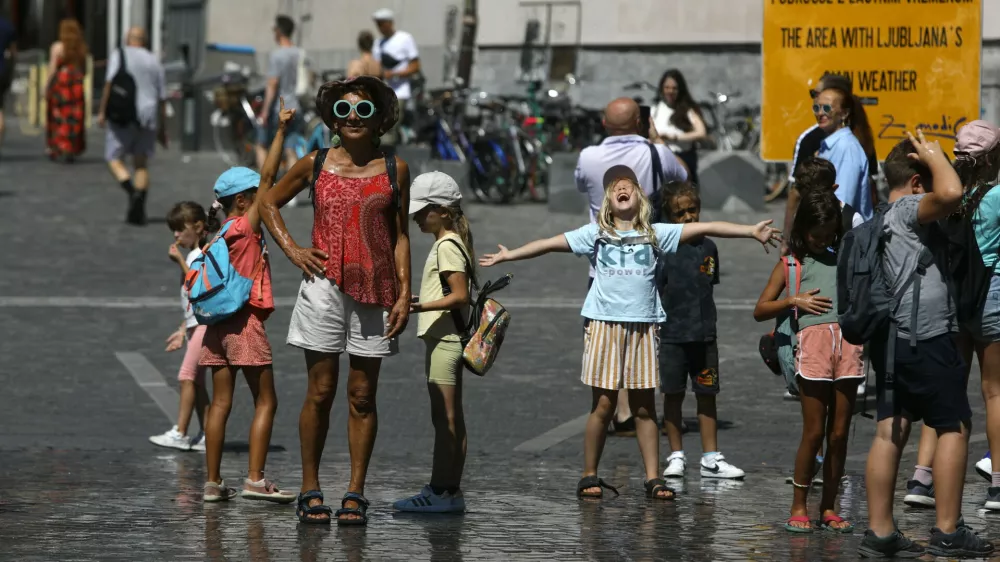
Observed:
{"x":353,"y":224}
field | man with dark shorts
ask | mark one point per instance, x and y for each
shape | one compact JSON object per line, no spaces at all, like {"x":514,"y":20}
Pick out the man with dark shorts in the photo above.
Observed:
{"x":929,"y":377}
{"x":138,"y":138}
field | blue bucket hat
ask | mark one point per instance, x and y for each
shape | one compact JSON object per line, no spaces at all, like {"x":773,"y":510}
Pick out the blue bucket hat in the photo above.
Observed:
{"x":236,"y":180}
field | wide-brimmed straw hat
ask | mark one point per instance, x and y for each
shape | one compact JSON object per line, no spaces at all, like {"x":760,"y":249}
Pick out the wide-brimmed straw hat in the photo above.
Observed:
{"x":386,"y":104}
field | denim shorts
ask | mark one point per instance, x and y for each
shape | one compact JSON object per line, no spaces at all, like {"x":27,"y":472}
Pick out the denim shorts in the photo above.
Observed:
{"x":988,"y":329}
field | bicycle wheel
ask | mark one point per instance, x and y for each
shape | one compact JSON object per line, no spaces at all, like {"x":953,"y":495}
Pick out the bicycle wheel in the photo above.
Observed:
{"x":493,"y":173}
{"x":536,"y":174}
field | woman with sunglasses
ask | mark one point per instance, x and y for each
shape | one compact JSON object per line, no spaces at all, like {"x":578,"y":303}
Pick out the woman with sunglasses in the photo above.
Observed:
{"x":355,"y":296}
{"x":811,"y":141}
{"x":841,"y":116}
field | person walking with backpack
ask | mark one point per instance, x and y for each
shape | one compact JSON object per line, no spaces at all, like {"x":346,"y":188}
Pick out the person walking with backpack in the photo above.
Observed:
{"x":688,"y":339}
{"x":828,"y":369}
{"x":624,"y":310}
{"x":894,"y":273}
{"x":188,"y":222}
{"x":239,"y":342}
{"x":133,"y":108}
{"x":355,"y":296}
{"x":443,"y":307}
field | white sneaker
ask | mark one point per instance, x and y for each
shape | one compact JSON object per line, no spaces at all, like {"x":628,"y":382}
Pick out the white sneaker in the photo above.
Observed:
{"x":985,"y":468}
{"x":429,"y":502}
{"x":717,"y":467}
{"x":172,"y":439}
{"x":789,"y":397}
{"x":676,"y":463}
{"x":198,"y":442}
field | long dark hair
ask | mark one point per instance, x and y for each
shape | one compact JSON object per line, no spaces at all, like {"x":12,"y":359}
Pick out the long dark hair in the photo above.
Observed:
{"x":979,"y":176}
{"x":684,"y":104}
{"x":817,"y":207}
{"x":185,"y":213}
{"x":857,"y":120}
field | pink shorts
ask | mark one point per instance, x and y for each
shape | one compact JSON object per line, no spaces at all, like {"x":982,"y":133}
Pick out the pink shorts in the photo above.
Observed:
{"x":237,"y":341}
{"x":823,"y":355}
{"x":190,"y":370}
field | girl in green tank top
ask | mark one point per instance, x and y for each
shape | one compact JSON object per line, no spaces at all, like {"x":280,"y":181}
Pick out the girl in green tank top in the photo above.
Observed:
{"x":828,"y":369}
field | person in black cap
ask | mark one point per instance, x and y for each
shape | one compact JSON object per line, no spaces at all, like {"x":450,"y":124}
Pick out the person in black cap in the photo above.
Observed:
{"x":356,"y":294}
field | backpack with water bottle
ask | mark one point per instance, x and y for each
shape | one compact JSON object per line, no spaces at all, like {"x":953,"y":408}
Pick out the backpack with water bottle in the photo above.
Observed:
{"x":216,"y":290}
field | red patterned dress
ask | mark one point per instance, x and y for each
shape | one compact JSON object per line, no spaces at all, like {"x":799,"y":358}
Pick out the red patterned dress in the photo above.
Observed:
{"x":64,"y":131}
{"x":353,"y":224}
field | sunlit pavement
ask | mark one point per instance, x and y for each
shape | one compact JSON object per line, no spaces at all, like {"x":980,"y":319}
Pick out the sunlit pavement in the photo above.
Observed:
{"x":79,"y":290}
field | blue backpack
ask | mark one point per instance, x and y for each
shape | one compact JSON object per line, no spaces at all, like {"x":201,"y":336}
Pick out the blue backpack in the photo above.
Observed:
{"x":216,"y":290}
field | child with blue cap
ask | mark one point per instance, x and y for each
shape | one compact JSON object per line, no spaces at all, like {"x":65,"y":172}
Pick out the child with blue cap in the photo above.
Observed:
{"x":239,"y":342}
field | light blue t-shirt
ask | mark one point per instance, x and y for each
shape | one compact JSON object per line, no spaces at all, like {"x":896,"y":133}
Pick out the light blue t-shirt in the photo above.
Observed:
{"x":986,"y":225}
{"x":624,"y":289}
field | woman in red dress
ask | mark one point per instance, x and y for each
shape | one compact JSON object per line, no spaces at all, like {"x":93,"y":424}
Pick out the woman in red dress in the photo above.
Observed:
{"x":65,"y":99}
{"x":355,"y":296}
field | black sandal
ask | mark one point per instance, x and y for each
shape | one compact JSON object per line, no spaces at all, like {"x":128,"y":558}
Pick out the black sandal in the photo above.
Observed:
{"x":303,"y":511}
{"x":361,"y":510}
{"x":657,"y":484}
{"x":593,"y":482}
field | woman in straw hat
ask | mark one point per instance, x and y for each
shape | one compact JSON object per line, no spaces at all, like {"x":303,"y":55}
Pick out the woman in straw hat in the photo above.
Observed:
{"x":355,"y":296}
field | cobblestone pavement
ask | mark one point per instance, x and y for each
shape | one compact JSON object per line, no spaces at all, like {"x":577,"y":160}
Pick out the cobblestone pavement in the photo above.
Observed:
{"x":81,"y":482}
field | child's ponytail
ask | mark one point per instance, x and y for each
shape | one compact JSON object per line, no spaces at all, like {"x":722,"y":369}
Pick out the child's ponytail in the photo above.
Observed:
{"x":214,"y":222}
{"x":461,"y":225}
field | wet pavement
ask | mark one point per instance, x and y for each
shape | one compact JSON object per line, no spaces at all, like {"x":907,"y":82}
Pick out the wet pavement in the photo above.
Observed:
{"x":81,"y":482}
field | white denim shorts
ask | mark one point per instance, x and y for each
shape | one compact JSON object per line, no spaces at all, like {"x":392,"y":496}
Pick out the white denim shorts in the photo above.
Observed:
{"x":328,"y":321}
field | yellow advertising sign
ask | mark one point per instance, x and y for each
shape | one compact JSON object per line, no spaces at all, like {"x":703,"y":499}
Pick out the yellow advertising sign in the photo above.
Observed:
{"x":914,"y":63}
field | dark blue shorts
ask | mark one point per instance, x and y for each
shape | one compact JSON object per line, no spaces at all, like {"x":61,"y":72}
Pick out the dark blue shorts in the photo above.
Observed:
{"x":930,"y":383}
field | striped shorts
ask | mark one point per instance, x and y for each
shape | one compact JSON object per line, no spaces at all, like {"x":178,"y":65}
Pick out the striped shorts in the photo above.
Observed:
{"x":621,"y":355}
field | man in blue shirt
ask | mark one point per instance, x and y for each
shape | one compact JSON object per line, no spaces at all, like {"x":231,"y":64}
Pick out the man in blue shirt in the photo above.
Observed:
{"x":8,"y":50}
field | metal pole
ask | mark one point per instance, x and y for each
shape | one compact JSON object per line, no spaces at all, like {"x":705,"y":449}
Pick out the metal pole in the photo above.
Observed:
{"x":156,"y":34}
{"x":467,"y":51}
{"x":126,"y":19}
{"x":114,"y":34}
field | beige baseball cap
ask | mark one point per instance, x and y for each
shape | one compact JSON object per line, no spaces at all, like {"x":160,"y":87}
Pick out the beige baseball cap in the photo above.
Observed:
{"x":433,"y":188}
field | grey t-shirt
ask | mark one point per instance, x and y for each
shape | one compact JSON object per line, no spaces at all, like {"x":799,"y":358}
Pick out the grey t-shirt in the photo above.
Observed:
{"x":907,"y":239}
{"x":283,"y":64}
{"x":150,"y":83}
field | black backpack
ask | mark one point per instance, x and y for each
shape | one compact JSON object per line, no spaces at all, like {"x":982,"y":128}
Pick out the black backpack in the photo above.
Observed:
{"x":969,"y":276}
{"x":656,"y":197}
{"x":865,"y":301}
{"x":122,"y":98}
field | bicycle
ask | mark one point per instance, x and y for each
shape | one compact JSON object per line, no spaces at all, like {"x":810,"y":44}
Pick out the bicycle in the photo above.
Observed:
{"x":490,"y":170}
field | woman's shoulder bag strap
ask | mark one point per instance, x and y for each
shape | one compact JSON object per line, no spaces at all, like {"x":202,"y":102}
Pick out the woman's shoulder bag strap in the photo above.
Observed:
{"x":390,"y":169}
{"x":318,"y":161}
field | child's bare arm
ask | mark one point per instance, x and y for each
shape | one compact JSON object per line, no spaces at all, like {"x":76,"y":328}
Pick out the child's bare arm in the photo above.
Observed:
{"x":530,"y":250}
{"x":271,"y":164}
{"x":763,"y":232}
{"x":769,"y":306}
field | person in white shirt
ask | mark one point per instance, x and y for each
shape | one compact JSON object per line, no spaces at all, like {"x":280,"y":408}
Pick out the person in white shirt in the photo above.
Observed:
{"x":676,"y":121}
{"x":400,"y":59}
{"x":187,"y":220}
